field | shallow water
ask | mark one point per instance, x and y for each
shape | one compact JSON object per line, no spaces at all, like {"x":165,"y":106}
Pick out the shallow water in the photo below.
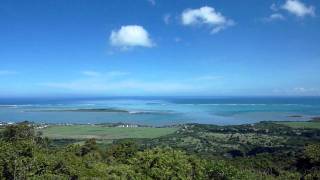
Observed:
{"x":160,"y":110}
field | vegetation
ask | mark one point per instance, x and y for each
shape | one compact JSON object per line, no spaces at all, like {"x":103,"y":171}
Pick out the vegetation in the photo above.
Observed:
{"x":261,"y":151}
{"x":314,"y":124}
{"x":103,"y":132}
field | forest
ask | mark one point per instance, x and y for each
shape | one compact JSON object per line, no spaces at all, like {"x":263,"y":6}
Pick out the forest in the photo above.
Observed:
{"x":261,"y":151}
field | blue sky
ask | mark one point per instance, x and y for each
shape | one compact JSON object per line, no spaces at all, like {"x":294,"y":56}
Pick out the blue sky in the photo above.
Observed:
{"x":153,"y":47}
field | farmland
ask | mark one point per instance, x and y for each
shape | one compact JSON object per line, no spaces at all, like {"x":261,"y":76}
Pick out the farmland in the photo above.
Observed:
{"x":100,"y":132}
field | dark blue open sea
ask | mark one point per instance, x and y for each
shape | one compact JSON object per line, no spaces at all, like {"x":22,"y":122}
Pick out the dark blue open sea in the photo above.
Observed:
{"x":158,"y":111}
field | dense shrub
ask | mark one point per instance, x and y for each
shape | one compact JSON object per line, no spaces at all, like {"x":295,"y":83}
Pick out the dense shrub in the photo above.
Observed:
{"x":23,"y":155}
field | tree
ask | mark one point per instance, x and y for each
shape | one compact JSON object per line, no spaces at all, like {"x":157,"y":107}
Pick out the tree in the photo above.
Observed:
{"x":166,"y":164}
{"x":312,"y":151}
{"x":89,"y":146}
{"x":21,"y":131}
{"x":121,"y":151}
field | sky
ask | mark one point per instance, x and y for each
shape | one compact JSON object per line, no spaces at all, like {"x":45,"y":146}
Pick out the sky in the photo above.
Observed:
{"x":159,"y":48}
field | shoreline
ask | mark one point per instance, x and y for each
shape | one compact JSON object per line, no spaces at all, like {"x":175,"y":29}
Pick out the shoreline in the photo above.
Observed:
{"x":133,"y":125}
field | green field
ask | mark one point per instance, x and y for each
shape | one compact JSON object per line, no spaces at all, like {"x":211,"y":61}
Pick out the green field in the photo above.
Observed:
{"x":103,"y":133}
{"x":307,"y":124}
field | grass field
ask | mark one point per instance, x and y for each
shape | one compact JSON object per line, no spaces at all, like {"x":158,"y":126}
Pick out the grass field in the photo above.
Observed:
{"x":314,"y":125}
{"x":103,"y":133}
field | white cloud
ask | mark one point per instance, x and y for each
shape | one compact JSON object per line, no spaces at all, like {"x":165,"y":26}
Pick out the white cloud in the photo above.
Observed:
{"x":277,"y":16}
{"x":166,"y":18}
{"x":206,"y":15}
{"x":130,"y":36}
{"x":7,"y":72}
{"x":295,"y":7}
{"x":274,"y":17}
{"x":110,"y":74}
{"x":298,"y":8}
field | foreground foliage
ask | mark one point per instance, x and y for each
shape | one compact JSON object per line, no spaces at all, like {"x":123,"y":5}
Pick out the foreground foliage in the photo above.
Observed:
{"x":26,"y":155}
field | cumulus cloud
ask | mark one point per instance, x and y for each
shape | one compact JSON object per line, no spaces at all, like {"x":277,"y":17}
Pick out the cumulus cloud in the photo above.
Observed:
{"x":298,"y":8}
{"x":208,"y":16}
{"x":295,"y":7}
{"x":274,"y":17}
{"x":277,"y":16}
{"x":130,"y":36}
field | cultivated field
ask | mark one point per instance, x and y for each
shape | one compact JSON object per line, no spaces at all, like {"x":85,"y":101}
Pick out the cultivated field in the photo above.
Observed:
{"x":103,"y":133}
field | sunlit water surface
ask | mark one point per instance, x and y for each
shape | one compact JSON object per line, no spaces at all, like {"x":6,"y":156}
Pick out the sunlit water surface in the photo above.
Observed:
{"x":158,"y":111}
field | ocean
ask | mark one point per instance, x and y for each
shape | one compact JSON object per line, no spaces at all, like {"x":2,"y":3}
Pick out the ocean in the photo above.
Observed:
{"x":159,"y":111}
